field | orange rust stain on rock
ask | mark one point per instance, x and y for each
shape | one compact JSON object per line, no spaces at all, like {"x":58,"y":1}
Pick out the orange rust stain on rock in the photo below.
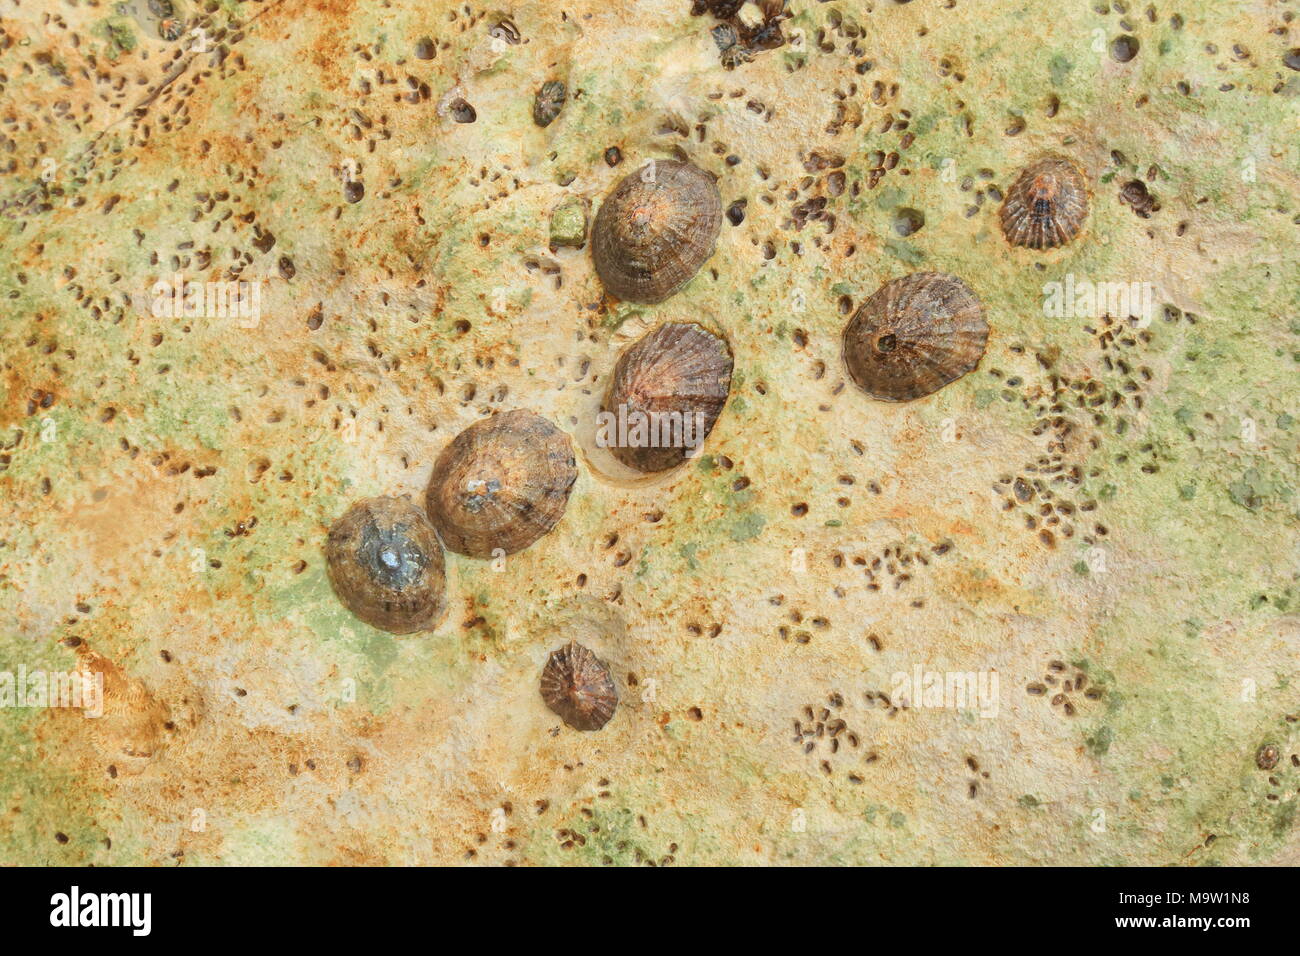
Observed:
{"x":330,"y":47}
{"x":160,"y":748}
{"x":133,"y":517}
{"x":20,"y":387}
{"x":961,"y":528}
{"x":968,"y":588}
{"x":127,"y":725}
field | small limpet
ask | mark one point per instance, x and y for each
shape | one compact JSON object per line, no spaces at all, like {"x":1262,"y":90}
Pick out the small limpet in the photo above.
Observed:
{"x":1046,"y":205}
{"x":577,"y":685}
{"x":915,"y":335}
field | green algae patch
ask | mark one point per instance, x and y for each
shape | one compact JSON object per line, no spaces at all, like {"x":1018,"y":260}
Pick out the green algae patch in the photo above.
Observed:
{"x":47,"y":800}
{"x":569,"y":223}
{"x":747,"y":527}
{"x":120,"y":35}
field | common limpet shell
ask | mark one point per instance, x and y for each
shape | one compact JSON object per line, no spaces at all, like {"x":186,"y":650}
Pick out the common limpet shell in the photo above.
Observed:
{"x":655,"y":230}
{"x":667,"y":392}
{"x":914,"y":335}
{"x":386,"y":566}
{"x":1046,"y":205}
{"x":501,"y":483}
{"x":577,"y":685}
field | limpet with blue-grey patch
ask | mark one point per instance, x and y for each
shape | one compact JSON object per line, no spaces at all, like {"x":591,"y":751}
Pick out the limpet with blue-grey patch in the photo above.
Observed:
{"x":385,"y":564}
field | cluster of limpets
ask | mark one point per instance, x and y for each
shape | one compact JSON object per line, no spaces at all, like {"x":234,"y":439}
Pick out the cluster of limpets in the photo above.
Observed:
{"x":504,"y":482}
{"x":920,"y":332}
{"x":498,"y":486}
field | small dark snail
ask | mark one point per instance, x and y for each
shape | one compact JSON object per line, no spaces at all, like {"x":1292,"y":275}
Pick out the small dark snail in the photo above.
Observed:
{"x":1046,"y":205}
{"x":1135,"y":194}
{"x":1267,"y":756}
{"x":548,"y":102}
{"x":914,"y":335}
{"x":665,"y":396}
{"x":385,"y":564}
{"x":170,"y":29}
{"x":655,"y":230}
{"x":577,"y":685}
{"x":502,"y":483}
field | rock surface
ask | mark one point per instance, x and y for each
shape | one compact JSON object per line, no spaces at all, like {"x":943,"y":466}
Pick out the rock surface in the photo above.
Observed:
{"x":167,"y":474}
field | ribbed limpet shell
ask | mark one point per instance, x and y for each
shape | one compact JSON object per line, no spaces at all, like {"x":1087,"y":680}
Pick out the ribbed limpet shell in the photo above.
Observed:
{"x":668,"y":388}
{"x":577,"y":685}
{"x":655,"y":230}
{"x":1046,"y":205}
{"x":502,"y":483}
{"x":385,"y":564}
{"x":914,"y":335}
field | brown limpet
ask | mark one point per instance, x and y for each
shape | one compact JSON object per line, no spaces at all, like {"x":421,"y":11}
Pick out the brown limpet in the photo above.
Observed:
{"x":914,"y":335}
{"x":1046,"y":205}
{"x":501,"y":483}
{"x":386,"y":566}
{"x":655,"y":230}
{"x":668,"y":389}
{"x":577,"y":685}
